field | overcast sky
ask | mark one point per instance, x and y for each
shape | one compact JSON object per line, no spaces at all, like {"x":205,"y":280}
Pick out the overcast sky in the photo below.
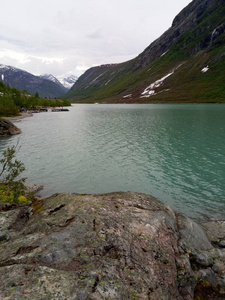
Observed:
{"x":57,"y":37}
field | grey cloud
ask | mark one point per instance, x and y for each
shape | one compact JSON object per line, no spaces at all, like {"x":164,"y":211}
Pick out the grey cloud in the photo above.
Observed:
{"x":13,"y":41}
{"x":96,"y":34}
{"x":81,"y":33}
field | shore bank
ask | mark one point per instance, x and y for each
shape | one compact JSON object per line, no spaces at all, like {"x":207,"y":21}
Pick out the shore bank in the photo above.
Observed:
{"x":21,"y":116}
{"x":120,"y":245}
{"x":9,"y":127}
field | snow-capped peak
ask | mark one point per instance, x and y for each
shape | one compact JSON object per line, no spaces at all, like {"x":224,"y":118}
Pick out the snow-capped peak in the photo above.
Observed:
{"x":67,"y":80}
{"x":50,"y":77}
{"x":7,"y":67}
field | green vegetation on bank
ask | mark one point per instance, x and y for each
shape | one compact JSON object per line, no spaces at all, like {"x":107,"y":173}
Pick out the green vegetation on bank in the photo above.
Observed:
{"x":12,"y":100}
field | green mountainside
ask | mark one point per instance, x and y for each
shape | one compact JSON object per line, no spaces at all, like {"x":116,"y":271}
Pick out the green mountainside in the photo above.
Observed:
{"x":185,"y":64}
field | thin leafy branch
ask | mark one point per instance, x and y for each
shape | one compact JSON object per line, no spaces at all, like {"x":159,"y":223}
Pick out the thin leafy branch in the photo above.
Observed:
{"x":11,"y":170}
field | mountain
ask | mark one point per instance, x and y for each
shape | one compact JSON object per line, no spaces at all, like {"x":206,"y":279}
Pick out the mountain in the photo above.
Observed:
{"x":22,"y":80}
{"x":51,"y":78}
{"x":185,"y":64}
{"x":65,"y":81}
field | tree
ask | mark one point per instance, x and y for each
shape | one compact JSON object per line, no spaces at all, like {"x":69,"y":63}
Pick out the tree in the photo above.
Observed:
{"x":11,"y":170}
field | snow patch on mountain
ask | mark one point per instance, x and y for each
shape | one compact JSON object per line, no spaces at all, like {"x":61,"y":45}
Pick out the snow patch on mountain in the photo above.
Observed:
{"x":149,"y":91}
{"x":164,"y":53}
{"x":127,"y":96}
{"x":205,"y":69}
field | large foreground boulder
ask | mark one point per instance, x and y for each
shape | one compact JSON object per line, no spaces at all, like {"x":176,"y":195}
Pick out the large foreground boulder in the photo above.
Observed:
{"x":110,"y":246}
{"x":7,"y":128}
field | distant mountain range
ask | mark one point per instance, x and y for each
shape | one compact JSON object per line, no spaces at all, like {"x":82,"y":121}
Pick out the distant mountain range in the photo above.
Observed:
{"x":44,"y":85}
{"x":185,"y":64}
{"x":67,"y":81}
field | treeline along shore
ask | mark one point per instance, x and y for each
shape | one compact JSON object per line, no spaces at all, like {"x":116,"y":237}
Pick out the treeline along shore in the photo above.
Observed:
{"x":12,"y":101}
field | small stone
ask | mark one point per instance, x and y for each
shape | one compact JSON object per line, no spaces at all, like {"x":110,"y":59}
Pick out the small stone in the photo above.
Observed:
{"x":202,"y":259}
{"x":222,"y":244}
{"x":218,"y":267}
{"x":3,"y":236}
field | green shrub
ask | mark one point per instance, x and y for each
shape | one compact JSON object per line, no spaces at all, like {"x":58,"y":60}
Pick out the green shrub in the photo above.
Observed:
{"x":12,"y":188}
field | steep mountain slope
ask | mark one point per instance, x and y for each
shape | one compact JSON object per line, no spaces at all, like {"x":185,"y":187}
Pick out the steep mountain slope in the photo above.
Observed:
{"x":185,"y":64}
{"x":23,"y":80}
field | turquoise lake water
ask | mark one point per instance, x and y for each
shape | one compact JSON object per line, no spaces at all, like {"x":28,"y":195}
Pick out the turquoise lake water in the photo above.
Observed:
{"x":173,"y":152}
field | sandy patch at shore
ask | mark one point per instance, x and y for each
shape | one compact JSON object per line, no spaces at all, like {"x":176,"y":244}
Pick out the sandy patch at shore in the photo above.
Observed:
{"x":21,"y":116}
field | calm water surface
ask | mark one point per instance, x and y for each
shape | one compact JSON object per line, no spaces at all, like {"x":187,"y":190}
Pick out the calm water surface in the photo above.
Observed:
{"x":173,"y":152}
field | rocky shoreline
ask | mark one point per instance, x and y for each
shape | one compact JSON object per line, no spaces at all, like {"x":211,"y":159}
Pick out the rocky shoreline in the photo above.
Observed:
{"x":120,"y":245}
{"x":7,"y":128}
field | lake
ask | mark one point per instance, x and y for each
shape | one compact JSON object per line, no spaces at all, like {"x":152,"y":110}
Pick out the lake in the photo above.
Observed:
{"x":175,"y":152}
